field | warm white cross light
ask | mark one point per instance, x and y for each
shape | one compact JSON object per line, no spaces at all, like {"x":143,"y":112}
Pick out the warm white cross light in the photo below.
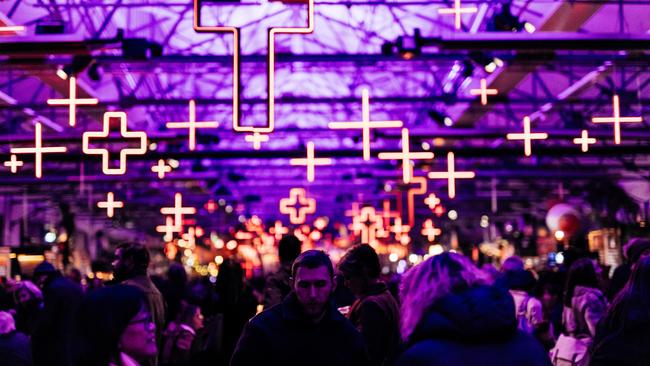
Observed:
{"x":14,"y":163}
{"x":616,"y":119}
{"x":192,"y":125}
{"x":584,"y":140}
{"x":311,"y":162}
{"x":432,"y":201}
{"x":297,"y":215}
{"x":38,"y":150}
{"x":429,"y":230}
{"x":368,"y":223}
{"x":169,"y":229}
{"x":457,"y":11}
{"x":210,"y":206}
{"x":484,"y":92}
{"x":73,"y":101}
{"x":451,"y":175}
{"x":256,"y":138}
{"x":365,"y":124}
{"x":278,"y":230}
{"x":110,"y":204}
{"x":406,"y":156}
{"x":527,"y":136}
{"x":400,"y":230}
{"x":178,"y":211}
{"x":161,"y":168}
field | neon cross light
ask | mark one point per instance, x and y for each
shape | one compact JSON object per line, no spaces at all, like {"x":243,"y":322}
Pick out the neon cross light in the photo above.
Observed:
{"x":387,"y":214}
{"x":354,"y":211}
{"x":14,"y":163}
{"x":178,"y":211}
{"x":432,"y":201}
{"x":121,"y":169}
{"x":527,"y":136}
{"x":429,"y":230}
{"x":110,"y":204}
{"x":12,"y":29}
{"x":406,"y":156}
{"x":210,"y":206}
{"x":410,"y":196}
{"x":256,"y":138}
{"x":451,"y":175}
{"x":161,"y":168}
{"x":365,"y":124}
{"x":38,"y":150}
{"x":192,"y":125}
{"x":484,"y":92}
{"x":457,"y":11}
{"x":311,"y":162}
{"x":278,"y":230}
{"x":169,"y":229}
{"x":236,"y":87}
{"x":297,"y":206}
{"x":368,"y":223}
{"x":616,"y":119}
{"x":73,"y":101}
{"x":584,"y":140}
{"x":400,"y":230}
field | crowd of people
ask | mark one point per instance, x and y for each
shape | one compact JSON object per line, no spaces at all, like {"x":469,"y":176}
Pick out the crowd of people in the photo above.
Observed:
{"x":443,"y":311}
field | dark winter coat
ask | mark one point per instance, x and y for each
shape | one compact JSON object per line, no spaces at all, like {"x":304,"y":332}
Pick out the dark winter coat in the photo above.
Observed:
{"x":475,"y":327}
{"x":622,"y":344}
{"x":15,"y":350}
{"x":283,"y":335}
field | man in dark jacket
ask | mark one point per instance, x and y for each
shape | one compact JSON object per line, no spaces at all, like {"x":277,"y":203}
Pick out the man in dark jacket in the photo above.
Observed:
{"x":375,"y":313}
{"x":305,"y":329}
{"x":278,"y":284}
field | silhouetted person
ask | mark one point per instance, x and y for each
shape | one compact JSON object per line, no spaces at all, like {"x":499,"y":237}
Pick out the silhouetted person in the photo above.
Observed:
{"x":375,"y":313}
{"x":305,"y":329}
{"x":584,"y":302}
{"x":14,"y":346}
{"x":179,"y":336}
{"x":633,"y":250}
{"x":278,"y":284}
{"x":52,"y":341}
{"x":174,"y":290}
{"x":28,"y":299}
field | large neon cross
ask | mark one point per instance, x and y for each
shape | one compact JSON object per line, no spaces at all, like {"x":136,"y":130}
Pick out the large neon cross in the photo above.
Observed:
{"x":432,"y":201}
{"x":73,"y":101}
{"x":616,"y":119}
{"x":169,"y":229}
{"x":297,"y":206}
{"x":311,"y":162}
{"x":451,"y":175}
{"x":121,"y":169}
{"x":38,"y":150}
{"x":527,"y":136}
{"x":484,"y":92}
{"x":584,"y":140}
{"x":278,"y":230}
{"x":110,"y":204}
{"x":236,"y":87}
{"x":178,"y":211}
{"x":457,"y":11}
{"x":13,"y":164}
{"x":365,"y":124}
{"x":368,"y":223}
{"x":406,"y":156}
{"x":429,"y":230}
{"x":161,"y":168}
{"x":192,"y":125}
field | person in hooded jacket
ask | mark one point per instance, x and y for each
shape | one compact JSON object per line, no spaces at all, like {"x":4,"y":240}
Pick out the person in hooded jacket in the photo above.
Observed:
{"x":453,"y":315}
{"x":584,"y":302}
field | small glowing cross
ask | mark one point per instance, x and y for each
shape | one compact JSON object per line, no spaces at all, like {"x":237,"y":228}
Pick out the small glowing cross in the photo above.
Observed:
{"x":429,"y":230}
{"x":190,"y":237}
{"x":14,"y":163}
{"x":527,"y":137}
{"x":110,"y":204}
{"x":141,"y":135}
{"x":368,"y":222}
{"x":161,"y":168}
{"x":406,"y":156}
{"x":73,"y":101}
{"x":484,"y":92}
{"x":38,"y":150}
{"x":354,"y":211}
{"x":192,"y":125}
{"x":297,"y":214}
{"x":457,"y":11}
{"x":432,"y":201}
{"x":365,"y":124}
{"x":399,"y":230}
{"x":451,"y":175}
{"x":584,"y":140}
{"x":310,"y":162}
{"x":210,"y":206}
{"x":256,"y":138}
{"x":169,"y":229}
{"x":616,"y":119}
{"x":178,"y":211}
{"x":278,"y":230}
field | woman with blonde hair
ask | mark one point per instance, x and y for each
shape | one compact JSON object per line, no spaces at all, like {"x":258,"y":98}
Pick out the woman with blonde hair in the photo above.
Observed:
{"x":452,"y":314}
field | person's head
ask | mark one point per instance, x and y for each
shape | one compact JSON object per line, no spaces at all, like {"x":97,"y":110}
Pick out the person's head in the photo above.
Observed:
{"x":631,"y":307}
{"x":115,"y":319}
{"x":635,"y":248}
{"x":520,"y":280}
{"x":190,"y":315}
{"x":131,"y":259}
{"x":431,"y":280}
{"x":360,"y":268}
{"x":583,"y":273}
{"x":513,"y":263}
{"x":289,"y":248}
{"x":26,"y":292}
{"x":313,"y":282}
{"x":43,"y":272}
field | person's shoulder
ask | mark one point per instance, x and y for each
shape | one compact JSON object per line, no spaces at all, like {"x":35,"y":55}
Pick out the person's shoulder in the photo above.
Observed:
{"x":268,"y":317}
{"x":424,"y":352}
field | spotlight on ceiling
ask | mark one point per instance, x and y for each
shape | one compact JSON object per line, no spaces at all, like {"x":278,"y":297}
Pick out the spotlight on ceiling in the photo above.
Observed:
{"x":440,"y":118}
{"x":505,"y":21}
{"x":410,"y":46}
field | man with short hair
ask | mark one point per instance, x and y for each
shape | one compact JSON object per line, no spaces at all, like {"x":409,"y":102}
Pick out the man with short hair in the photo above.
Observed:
{"x":305,"y":329}
{"x":375,"y":313}
{"x":278,"y":284}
